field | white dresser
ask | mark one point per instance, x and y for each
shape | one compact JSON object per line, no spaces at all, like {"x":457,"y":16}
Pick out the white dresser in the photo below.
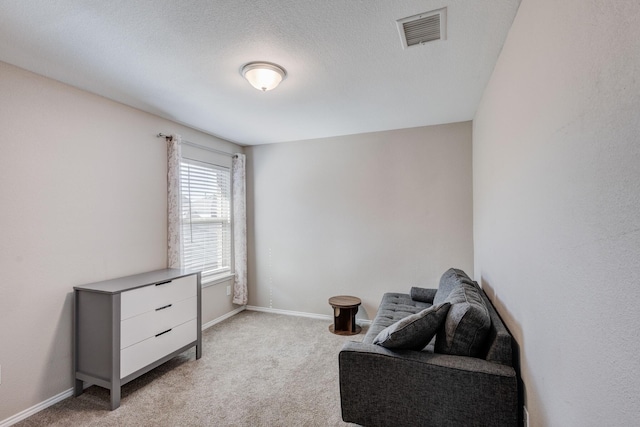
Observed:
{"x":125,"y":327}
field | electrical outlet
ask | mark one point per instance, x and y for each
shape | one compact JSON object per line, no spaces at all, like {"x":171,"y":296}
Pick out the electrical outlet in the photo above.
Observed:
{"x":228,"y":289}
{"x":525,"y":416}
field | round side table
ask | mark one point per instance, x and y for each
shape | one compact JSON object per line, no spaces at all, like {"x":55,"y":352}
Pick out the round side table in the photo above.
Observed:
{"x":344,"y":315}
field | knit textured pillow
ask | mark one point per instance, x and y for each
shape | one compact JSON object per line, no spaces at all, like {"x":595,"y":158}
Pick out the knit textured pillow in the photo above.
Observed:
{"x":415,"y":331}
{"x":450,"y":280}
{"x":467,"y":323}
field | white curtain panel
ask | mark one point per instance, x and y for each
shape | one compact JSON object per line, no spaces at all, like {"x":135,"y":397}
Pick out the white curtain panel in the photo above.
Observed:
{"x":174,"y":232}
{"x":239,"y":229}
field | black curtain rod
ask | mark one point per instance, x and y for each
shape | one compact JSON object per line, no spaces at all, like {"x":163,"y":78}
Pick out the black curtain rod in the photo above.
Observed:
{"x":193,"y":144}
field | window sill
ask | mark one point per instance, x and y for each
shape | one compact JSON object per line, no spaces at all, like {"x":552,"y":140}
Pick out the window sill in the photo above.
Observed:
{"x":217,"y":279}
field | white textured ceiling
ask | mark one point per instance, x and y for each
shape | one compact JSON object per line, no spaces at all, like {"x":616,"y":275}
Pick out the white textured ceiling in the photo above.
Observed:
{"x":180,"y":59}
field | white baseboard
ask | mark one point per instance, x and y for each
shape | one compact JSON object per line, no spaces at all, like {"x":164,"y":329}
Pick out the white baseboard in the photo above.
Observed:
{"x":68,"y":393}
{"x":301,"y":314}
{"x":223,"y":317}
{"x":36,"y":408}
{"x":289,"y":312}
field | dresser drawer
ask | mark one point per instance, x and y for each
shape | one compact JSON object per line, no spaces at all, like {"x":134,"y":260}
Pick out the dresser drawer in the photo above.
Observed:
{"x":148,"y":351}
{"x":145,"y":325}
{"x":149,"y":298}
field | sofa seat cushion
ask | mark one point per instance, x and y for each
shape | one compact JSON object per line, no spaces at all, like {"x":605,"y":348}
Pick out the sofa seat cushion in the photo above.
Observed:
{"x":467,"y":323}
{"x":394,"y":307}
{"x":415,"y":331}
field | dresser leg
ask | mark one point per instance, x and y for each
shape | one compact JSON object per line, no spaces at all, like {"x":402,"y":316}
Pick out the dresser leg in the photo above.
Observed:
{"x":115,"y":398}
{"x":79,"y":388}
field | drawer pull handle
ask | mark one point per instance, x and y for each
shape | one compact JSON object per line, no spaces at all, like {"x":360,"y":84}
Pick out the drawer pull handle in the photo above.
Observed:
{"x":163,"y":283}
{"x":163,"y":307}
{"x":162,"y":333}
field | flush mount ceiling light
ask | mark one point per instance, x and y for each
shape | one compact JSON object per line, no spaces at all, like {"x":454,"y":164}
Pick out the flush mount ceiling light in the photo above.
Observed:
{"x":263,"y":76}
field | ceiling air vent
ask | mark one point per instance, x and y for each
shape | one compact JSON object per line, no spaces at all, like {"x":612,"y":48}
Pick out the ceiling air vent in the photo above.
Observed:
{"x":425,"y":27}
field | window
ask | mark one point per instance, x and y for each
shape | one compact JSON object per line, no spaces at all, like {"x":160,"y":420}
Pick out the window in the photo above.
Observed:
{"x":206,"y":218}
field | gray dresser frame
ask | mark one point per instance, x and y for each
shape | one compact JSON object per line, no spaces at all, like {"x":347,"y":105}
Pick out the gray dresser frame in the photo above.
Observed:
{"x":97,"y":330}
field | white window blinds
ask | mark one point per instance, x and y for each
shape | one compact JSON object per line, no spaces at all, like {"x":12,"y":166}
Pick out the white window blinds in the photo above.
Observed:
{"x":206,"y":217}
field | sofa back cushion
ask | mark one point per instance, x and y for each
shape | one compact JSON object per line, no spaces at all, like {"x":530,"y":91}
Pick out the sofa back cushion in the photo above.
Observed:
{"x":467,"y":323}
{"x":451,"y":279}
{"x":498,"y":344}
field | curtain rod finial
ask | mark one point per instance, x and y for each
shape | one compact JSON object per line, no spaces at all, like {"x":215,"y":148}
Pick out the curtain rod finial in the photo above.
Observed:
{"x":167,"y":137}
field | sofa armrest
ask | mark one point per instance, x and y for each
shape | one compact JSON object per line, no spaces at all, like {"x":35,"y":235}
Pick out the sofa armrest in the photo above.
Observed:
{"x":423,"y":294}
{"x":382,"y":387}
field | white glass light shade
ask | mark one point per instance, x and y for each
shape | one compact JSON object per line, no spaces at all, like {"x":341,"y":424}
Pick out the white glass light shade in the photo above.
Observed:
{"x":263,"y":76}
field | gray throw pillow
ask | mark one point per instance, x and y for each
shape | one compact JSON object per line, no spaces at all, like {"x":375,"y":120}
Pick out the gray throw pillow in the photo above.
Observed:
{"x":450,"y":280}
{"x":415,"y":331}
{"x":466,"y":325}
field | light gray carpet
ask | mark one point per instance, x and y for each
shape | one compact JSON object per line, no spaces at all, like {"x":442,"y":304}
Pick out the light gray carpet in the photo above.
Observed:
{"x":257,"y":369}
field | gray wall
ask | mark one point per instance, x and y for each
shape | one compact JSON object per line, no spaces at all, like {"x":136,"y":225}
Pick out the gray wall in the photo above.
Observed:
{"x":556,"y":173}
{"x":83,"y":192}
{"x":362,"y":214}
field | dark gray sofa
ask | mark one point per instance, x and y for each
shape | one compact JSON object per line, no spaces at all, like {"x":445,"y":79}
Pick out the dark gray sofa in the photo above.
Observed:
{"x":391,"y":387}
